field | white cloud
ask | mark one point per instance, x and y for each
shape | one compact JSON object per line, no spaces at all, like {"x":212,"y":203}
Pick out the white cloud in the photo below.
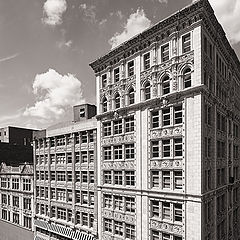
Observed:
{"x":89,"y":12}
{"x":54,"y":94}
{"x":53,"y":11}
{"x":227,"y":12}
{"x":136,"y":23}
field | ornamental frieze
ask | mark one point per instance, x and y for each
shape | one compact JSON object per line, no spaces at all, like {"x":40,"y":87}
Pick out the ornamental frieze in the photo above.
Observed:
{"x":60,"y":168}
{"x":171,"y":228}
{"x":118,"y":139}
{"x":167,"y":132}
{"x":119,"y":165}
{"x":119,"y":216}
{"x":159,"y":164}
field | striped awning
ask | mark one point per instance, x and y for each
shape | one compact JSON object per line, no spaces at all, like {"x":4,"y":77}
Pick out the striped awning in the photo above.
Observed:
{"x":82,"y":236}
{"x":63,"y":231}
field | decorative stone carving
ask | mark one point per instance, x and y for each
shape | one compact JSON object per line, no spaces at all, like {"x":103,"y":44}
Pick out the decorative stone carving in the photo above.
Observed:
{"x":118,"y":139}
{"x":172,"y":228}
{"x":119,"y":165}
{"x":159,"y":164}
{"x":167,"y":132}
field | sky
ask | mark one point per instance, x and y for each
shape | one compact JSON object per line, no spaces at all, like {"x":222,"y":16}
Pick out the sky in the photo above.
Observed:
{"x":46,"y":47}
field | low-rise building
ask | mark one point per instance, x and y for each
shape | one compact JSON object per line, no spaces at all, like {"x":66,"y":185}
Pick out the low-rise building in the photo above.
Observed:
{"x":16,"y":199}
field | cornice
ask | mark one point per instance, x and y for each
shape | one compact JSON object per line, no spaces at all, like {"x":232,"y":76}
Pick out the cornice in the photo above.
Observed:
{"x":158,"y":101}
{"x":162,"y":30}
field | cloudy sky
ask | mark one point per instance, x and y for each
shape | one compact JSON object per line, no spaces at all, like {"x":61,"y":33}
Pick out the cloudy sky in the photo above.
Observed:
{"x":46,"y":46}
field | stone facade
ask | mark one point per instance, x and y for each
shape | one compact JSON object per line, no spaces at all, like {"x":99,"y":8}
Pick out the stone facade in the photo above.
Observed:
{"x":65,"y":179}
{"x":16,"y":199}
{"x":168,"y":132}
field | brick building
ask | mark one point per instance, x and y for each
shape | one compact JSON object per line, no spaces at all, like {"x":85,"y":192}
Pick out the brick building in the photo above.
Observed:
{"x":65,"y":178}
{"x":168,"y":132}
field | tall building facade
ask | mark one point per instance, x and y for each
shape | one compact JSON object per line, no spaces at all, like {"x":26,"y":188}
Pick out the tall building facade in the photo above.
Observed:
{"x":16,"y":201}
{"x":65,"y":178}
{"x":168,"y":132}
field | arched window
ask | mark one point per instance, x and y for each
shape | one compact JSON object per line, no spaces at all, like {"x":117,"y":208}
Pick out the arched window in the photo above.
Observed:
{"x":147,"y":91}
{"x":166,"y":85}
{"x":187,"y":78}
{"x":104,"y":104}
{"x":117,"y":100}
{"x":131,"y":96}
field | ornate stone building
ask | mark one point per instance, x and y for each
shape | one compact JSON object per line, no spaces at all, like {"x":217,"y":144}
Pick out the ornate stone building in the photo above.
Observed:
{"x":16,"y":200}
{"x":65,"y":178}
{"x":168,"y":132}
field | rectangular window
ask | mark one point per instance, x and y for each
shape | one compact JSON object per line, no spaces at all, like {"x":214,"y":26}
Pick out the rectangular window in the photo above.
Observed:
{"x":186,"y":43}
{"x":84,"y":176}
{"x":61,"y":176}
{"x":166,"y":148}
{"x":107,"y":175}
{"x":129,"y":124}
{"x":178,"y":147}
{"x":61,"y":213}
{"x":84,"y":157}
{"x":61,"y":158}
{"x":91,"y":177}
{"x":178,"y":212}
{"x":16,"y":218}
{"x":15,"y":201}
{"x":107,"y":153}
{"x":155,"y":179}
{"x":15,"y":183}
{"x":116,"y":74}
{"x":130,"y":178}
{"x":69,"y":157}
{"x":130,"y":204}
{"x":61,"y":195}
{"x":166,"y":211}
{"x":130,"y":68}
{"x":130,"y":231}
{"x":129,"y":151}
{"x":84,"y":197}
{"x":155,"y":149}
{"x":118,"y":177}
{"x":178,"y":114}
{"x":27,"y":203}
{"x":84,"y":137}
{"x":165,"y":52}
{"x":118,"y":227}
{"x":118,"y":152}
{"x":85,"y":219}
{"x":27,"y":222}
{"x":155,"y":119}
{"x":91,"y":156}
{"x":166,"y":179}
{"x":146,"y":61}
{"x":107,"y":129}
{"x":108,"y":203}
{"x":166,"y":117}
{"x":26,"y":184}
{"x":77,"y":196}
{"x":155,"y":208}
{"x":108,"y":227}
{"x":117,"y":125}
{"x":118,"y":203}
{"x":177,"y":179}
